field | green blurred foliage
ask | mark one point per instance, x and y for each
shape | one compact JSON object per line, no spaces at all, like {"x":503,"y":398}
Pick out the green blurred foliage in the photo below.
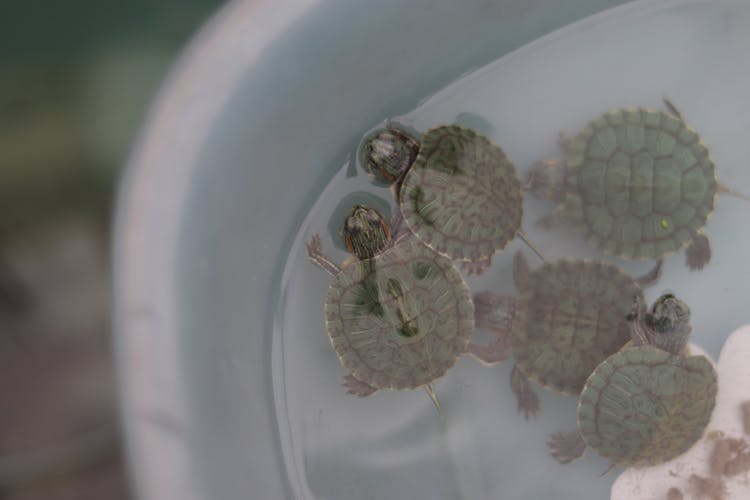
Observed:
{"x":50,"y":31}
{"x":76,"y":78}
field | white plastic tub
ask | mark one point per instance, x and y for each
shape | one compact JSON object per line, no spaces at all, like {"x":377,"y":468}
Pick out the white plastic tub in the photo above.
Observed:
{"x":240,"y":142}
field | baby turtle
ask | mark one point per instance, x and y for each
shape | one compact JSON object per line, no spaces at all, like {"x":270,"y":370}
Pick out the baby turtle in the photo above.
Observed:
{"x":638,"y":183}
{"x":399,"y":314}
{"x":569,"y":317}
{"x":648,"y":403}
{"x":457,"y":191}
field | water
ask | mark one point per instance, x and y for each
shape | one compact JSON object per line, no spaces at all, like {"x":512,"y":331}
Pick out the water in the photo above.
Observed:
{"x":393,"y":444}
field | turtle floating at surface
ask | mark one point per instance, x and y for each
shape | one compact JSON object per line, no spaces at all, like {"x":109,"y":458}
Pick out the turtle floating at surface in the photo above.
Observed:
{"x":458,"y":192}
{"x":648,"y":403}
{"x":639,"y":184}
{"x":397,"y":313}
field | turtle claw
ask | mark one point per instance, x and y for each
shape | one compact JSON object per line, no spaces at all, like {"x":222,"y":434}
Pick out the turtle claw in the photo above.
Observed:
{"x":356,"y":387}
{"x":528,"y":401}
{"x":566,"y":446}
{"x":698,"y":253}
{"x":314,"y":246}
{"x":476,"y":267}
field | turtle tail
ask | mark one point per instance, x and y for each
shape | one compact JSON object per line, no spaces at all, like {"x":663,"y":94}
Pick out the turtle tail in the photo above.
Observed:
{"x":721,"y":188}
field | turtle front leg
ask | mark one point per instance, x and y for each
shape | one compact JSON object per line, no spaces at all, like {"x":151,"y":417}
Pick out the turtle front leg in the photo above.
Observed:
{"x":698,"y":252}
{"x":640,"y":333}
{"x":315,"y":254}
{"x":493,"y":313}
{"x":356,"y":387}
{"x":528,"y":401}
{"x":566,"y":446}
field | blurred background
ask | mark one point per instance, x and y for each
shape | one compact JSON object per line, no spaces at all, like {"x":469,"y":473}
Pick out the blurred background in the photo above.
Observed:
{"x":76,"y":79}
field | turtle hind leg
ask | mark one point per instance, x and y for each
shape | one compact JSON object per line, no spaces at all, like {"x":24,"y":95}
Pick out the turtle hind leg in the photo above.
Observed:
{"x":566,"y":446}
{"x":528,"y":401}
{"x":356,"y":387}
{"x":698,"y":253}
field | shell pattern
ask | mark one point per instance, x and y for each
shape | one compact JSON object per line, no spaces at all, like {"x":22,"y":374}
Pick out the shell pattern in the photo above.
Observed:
{"x":401,"y":319}
{"x":640,"y":182}
{"x":462,"y":196}
{"x":644,"y":406}
{"x":570,"y":317}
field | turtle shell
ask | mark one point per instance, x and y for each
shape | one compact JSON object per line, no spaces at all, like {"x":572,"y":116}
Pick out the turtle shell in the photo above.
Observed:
{"x":645,"y":406}
{"x":401,"y":319}
{"x":570,"y":316}
{"x":462,"y":195}
{"x":639,"y":183}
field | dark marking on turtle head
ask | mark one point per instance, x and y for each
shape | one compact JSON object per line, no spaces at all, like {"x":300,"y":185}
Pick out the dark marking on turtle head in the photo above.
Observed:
{"x":668,"y":313}
{"x":669,"y":320}
{"x":388,"y":154}
{"x":365,"y":233}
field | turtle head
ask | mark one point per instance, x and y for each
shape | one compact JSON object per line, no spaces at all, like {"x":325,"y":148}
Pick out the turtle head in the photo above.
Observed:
{"x":546,"y":179}
{"x":365,"y":233}
{"x":669,"y":322}
{"x":388,"y":154}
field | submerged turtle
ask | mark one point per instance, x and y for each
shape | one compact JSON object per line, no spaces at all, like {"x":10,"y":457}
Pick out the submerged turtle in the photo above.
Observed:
{"x":639,"y":184}
{"x":399,"y":314}
{"x":457,"y":191}
{"x":648,"y":403}
{"x":569,"y":317}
